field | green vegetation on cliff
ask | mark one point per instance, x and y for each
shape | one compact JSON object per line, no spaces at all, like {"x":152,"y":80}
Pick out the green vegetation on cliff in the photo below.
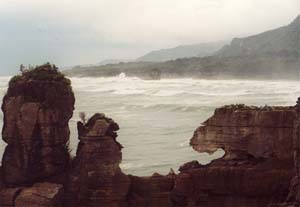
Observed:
{"x":46,"y":72}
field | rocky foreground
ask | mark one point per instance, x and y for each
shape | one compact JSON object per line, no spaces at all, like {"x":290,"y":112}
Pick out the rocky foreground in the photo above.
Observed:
{"x":260,"y":166}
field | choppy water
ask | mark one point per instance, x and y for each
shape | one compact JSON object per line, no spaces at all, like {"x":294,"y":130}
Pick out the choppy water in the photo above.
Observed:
{"x":157,"y":118}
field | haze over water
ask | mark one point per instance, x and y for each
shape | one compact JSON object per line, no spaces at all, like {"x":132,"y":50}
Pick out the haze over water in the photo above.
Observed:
{"x":157,"y":118}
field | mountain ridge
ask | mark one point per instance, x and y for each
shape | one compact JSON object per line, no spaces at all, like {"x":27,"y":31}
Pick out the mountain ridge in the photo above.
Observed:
{"x":182,"y":51}
{"x":273,"y":54}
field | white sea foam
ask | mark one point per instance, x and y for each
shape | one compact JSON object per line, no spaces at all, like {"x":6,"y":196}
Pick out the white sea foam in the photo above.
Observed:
{"x":123,"y":85}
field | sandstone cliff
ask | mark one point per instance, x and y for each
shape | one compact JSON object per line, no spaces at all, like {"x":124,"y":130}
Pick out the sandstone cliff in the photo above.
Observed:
{"x":259,"y":132}
{"x":255,"y":172}
{"x":96,"y":178}
{"x":258,"y":163}
{"x":37,"y":109}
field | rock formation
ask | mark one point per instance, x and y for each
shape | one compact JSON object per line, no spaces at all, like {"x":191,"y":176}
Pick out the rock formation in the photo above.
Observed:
{"x":151,"y":191}
{"x":41,"y":194}
{"x":293,"y":199}
{"x":96,"y":178}
{"x":37,"y":109}
{"x":232,"y":184}
{"x":260,"y":132}
{"x":260,"y":166}
{"x":256,"y":170}
{"x":258,"y":163}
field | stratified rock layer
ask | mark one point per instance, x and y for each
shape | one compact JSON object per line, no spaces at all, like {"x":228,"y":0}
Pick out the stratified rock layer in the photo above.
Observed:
{"x":293,"y":199}
{"x":260,"y":132}
{"x":41,"y":195}
{"x":37,"y":109}
{"x":257,"y":167}
{"x":233,"y":184}
{"x":9,"y":195}
{"x":96,"y":178}
{"x":151,"y":191}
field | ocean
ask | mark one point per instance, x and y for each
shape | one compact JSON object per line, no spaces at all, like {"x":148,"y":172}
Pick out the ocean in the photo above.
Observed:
{"x":158,"y":117}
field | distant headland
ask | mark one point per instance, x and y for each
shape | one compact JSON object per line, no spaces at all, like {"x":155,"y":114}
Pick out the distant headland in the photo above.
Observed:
{"x":274,"y":54}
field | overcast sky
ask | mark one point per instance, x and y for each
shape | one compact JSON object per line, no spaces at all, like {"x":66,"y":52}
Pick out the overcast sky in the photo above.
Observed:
{"x":71,"y":32}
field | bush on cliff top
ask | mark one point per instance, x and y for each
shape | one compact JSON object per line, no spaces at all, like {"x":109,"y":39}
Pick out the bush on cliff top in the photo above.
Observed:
{"x":46,"y":72}
{"x":43,"y":84}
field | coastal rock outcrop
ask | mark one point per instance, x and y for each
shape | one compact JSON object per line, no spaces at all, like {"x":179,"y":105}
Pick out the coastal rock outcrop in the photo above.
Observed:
{"x":37,"y":109}
{"x":96,"y":178}
{"x":293,"y":199}
{"x":255,"y":172}
{"x":151,"y":191}
{"x":41,"y":195}
{"x":261,"y":132}
{"x":257,"y":166}
{"x":233,"y":184}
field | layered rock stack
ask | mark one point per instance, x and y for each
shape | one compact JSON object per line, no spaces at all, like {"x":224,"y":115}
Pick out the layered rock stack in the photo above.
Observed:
{"x":37,"y":108}
{"x":151,"y":191}
{"x":96,"y":178}
{"x":261,"y":132}
{"x":258,"y":163}
{"x":293,"y":199}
